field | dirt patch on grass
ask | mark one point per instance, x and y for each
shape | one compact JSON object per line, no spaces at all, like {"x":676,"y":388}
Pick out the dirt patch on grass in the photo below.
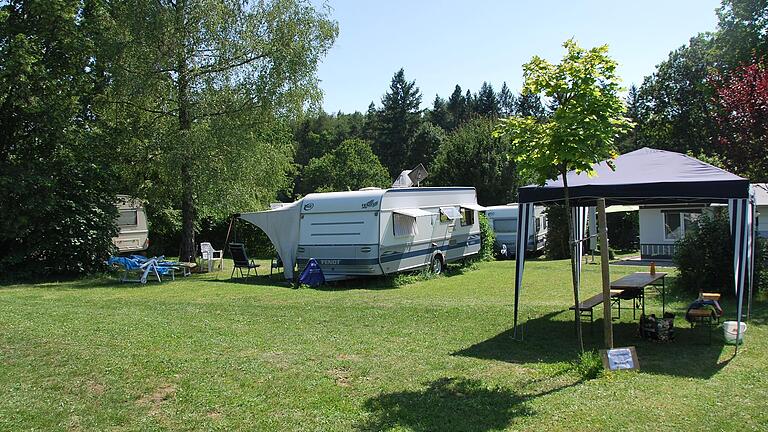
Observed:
{"x":156,"y":399}
{"x":214,"y":415}
{"x":346,"y":357}
{"x":96,"y":388}
{"x":341,"y":376}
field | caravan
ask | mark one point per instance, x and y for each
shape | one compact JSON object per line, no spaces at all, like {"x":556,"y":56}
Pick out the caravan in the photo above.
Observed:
{"x":374,"y":231}
{"x":503,"y":220}
{"x":133,"y":235}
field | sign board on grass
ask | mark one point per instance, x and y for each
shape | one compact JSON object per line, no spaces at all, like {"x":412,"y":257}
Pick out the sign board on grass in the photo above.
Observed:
{"x":620,"y":359}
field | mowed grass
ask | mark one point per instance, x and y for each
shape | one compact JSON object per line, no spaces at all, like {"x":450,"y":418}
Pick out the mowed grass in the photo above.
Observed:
{"x":207,"y":353}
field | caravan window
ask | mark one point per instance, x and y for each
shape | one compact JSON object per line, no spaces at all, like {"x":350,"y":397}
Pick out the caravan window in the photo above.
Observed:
{"x":448,"y":214}
{"x":505,"y":225}
{"x":467,"y":217}
{"x":404,"y":225}
{"x":128,"y":218}
{"x":677,"y":223}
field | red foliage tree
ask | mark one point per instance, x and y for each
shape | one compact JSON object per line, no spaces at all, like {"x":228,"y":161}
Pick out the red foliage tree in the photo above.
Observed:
{"x":742,"y":100}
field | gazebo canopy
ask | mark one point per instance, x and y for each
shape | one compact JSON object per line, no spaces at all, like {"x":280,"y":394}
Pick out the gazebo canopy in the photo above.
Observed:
{"x":645,"y":176}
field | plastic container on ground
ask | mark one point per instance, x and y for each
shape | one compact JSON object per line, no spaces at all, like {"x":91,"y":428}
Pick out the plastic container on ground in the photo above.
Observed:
{"x":729,"y":332}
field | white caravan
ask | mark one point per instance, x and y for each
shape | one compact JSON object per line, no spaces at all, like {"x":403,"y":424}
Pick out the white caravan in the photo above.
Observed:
{"x":503,"y":220}
{"x":132,"y":222}
{"x":374,"y":231}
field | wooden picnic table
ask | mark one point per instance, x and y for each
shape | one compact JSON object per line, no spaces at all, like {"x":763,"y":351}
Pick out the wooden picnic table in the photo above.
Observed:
{"x":637,"y":282}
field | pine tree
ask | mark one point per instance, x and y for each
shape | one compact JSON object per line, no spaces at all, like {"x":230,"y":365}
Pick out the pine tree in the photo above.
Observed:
{"x":471,"y":103}
{"x":399,"y":119}
{"x":506,"y":101}
{"x":529,"y":105}
{"x":487,"y":102}
{"x":457,"y":107}
{"x":439,"y":114}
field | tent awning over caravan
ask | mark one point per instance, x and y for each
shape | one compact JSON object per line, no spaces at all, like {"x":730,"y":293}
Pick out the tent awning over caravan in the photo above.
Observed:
{"x":281,"y":226}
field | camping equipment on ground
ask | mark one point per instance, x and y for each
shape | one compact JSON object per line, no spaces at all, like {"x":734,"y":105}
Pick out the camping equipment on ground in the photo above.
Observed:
{"x":240,"y":259}
{"x":730,"y":332}
{"x":661,"y":330}
{"x":312,"y":274}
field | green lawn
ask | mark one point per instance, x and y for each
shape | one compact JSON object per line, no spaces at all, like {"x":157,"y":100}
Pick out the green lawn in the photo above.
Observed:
{"x":208,"y":353}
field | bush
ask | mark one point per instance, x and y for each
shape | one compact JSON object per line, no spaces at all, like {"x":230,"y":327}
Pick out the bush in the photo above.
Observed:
{"x":704,"y":255}
{"x":624,"y":230}
{"x":589,"y":365}
{"x":487,"y":239}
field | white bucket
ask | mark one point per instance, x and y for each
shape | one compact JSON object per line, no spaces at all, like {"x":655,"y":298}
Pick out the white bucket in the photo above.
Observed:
{"x":729,"y":332}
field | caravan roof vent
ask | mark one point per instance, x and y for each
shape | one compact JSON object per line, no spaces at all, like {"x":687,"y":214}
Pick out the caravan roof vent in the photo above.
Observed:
{"x":370,"y":188}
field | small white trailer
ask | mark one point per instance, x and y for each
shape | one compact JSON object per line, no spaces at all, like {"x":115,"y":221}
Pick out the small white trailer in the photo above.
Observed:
{"x":503,"y":220}
{"x":374,"y":231}
{"x":132,"y":223}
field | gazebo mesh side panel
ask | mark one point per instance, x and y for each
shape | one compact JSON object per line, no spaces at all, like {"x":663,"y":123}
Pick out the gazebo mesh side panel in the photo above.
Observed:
{"x":524,"y":213}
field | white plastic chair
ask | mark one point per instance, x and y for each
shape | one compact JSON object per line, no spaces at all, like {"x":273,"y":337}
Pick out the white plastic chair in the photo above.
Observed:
{"x":210,"y":255}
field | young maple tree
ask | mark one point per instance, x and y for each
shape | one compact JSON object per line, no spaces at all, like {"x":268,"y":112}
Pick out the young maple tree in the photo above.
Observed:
{"x":581,"y":131}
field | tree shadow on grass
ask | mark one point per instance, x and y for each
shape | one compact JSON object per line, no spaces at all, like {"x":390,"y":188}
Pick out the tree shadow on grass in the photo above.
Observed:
{"x":449,"y":404}
{"x":549,"y":340}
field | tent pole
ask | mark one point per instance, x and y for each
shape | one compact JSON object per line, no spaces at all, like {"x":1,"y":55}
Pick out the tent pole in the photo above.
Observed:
{"x":606,"y":273}
{"x":574,"y":275}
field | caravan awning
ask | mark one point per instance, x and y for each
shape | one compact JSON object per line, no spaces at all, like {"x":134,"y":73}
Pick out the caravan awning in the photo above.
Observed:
{"x":450,"y":212}
{"x":413,"y":212}
{"x":477,"y":207}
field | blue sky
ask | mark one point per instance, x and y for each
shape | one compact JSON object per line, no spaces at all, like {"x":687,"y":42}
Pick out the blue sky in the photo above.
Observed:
{"x":444,"y":43}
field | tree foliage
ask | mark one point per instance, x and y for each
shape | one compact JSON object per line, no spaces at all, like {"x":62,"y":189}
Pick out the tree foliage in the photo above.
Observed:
{"x":742,"y":119}
{"x":472,"y":157}
{"x":399,"y":119}
{"x":582,"y":129}
{"x":351,"y":166}
{"x":204,"y":88}
{"x":57,"y":202}
{"x":674,"y":107}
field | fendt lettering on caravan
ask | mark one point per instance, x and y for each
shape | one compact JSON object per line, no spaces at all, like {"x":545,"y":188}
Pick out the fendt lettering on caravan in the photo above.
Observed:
{"x":374,"y":231}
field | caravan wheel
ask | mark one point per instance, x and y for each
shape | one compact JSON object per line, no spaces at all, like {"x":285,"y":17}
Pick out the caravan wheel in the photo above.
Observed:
{"x":437,"y":264}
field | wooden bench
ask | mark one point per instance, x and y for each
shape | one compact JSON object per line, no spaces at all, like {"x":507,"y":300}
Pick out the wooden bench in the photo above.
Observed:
{"x":586,"y":307}
{"x":703,"y":318}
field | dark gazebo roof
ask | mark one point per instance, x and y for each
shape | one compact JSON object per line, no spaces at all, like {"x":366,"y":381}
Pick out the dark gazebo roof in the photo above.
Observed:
{"x":645,"y":176}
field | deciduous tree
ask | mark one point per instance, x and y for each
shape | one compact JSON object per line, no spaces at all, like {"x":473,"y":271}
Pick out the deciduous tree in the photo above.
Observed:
{"x":742,"y":119}
{"x":214,"y":82}
{"x":580,"y":132}
{"x":351,"y":166}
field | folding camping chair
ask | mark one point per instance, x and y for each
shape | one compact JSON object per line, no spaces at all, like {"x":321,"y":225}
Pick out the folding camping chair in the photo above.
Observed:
{"x":241,"y":261}
{"x":276,"y":264}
